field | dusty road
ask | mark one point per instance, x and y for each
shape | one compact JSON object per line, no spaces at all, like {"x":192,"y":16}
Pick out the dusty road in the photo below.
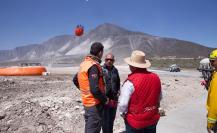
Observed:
{"x":188,"y":118}
{"x":40,"y":104}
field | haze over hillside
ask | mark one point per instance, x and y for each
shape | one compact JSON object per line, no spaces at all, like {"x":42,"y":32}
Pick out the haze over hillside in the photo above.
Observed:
{"x":120,"y":41}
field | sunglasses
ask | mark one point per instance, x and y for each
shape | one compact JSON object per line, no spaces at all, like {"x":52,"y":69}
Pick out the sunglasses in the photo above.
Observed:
{"x":211,"y":61}
{"x":109,"y":59}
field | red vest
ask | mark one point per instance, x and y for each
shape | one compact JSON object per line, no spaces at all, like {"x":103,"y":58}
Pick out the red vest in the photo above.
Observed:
{"x":144,"y":102}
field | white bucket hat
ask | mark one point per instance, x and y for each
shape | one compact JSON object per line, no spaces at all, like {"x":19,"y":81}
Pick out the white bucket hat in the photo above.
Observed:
{"x":137,"y":59}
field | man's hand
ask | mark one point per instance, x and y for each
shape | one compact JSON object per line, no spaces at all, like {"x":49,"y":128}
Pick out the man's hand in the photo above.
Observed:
{"x":112,"y":104}
{"x":210,"y":127}
{"x":203,"y":83}
{"x":209,"y":130}
{"x":122,"y":115}
{"x":107,"y":101}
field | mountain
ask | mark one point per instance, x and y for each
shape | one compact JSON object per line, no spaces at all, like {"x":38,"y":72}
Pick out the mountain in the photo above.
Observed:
{"x":120,"y":41}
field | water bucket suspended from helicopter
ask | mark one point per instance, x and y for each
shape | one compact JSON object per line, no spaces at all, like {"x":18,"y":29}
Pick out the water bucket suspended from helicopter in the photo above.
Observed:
{"x":79,"y":30}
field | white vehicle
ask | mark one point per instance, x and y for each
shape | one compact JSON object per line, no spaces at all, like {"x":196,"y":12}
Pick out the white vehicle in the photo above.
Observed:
{"x":174,"y":68}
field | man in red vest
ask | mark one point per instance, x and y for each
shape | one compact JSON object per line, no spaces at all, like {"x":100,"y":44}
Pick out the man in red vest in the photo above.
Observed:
{"x":140,"y":96}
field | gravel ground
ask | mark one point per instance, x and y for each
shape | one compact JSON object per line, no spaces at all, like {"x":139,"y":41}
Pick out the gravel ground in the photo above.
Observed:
{"x":41,"y":104}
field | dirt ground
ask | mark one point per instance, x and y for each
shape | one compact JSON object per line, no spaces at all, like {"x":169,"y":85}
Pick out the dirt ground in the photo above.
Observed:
{"x":41,"y":104}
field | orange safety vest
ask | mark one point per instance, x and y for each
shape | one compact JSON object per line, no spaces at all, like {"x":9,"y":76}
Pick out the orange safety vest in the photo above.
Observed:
{"x":87,"y":97}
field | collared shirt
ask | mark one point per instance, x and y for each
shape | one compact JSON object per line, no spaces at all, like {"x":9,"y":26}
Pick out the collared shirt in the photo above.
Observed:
{"x":126,"y":91}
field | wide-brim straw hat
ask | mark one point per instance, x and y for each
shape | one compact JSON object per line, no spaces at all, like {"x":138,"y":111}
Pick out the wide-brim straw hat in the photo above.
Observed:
{"x":137,"y":59}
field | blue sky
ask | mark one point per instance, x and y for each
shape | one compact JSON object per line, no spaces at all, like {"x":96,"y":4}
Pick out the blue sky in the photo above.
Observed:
{"x":25,"y":22}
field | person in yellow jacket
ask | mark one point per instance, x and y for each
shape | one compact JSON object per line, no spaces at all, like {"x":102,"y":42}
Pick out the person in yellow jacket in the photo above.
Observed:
{"x":212,"y":96}
{"x":89,"y":80}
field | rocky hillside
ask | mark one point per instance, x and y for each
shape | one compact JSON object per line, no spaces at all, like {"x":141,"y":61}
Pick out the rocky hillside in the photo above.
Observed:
{"x":120,"y":41}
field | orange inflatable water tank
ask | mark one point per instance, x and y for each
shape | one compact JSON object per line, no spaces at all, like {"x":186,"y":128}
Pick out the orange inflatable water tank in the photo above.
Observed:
{"x":22,"y":71}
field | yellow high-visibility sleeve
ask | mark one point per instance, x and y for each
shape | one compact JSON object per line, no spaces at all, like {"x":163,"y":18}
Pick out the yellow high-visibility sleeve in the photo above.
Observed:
{"x":212,"y":99}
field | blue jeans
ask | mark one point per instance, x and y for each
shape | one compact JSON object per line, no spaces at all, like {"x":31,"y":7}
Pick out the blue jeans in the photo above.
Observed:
{"x":108,"y":119}
{"x":149,"y":129}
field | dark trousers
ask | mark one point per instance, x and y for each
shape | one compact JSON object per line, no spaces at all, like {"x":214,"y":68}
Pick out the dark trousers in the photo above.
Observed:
{"x":215,"y":128}
{"x":93,"y":118}
{"x":149,"y":129}
{"x":108,"y":119}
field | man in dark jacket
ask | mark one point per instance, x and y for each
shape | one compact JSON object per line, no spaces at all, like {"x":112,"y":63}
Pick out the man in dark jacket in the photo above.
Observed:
{"x":112,"y":83}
